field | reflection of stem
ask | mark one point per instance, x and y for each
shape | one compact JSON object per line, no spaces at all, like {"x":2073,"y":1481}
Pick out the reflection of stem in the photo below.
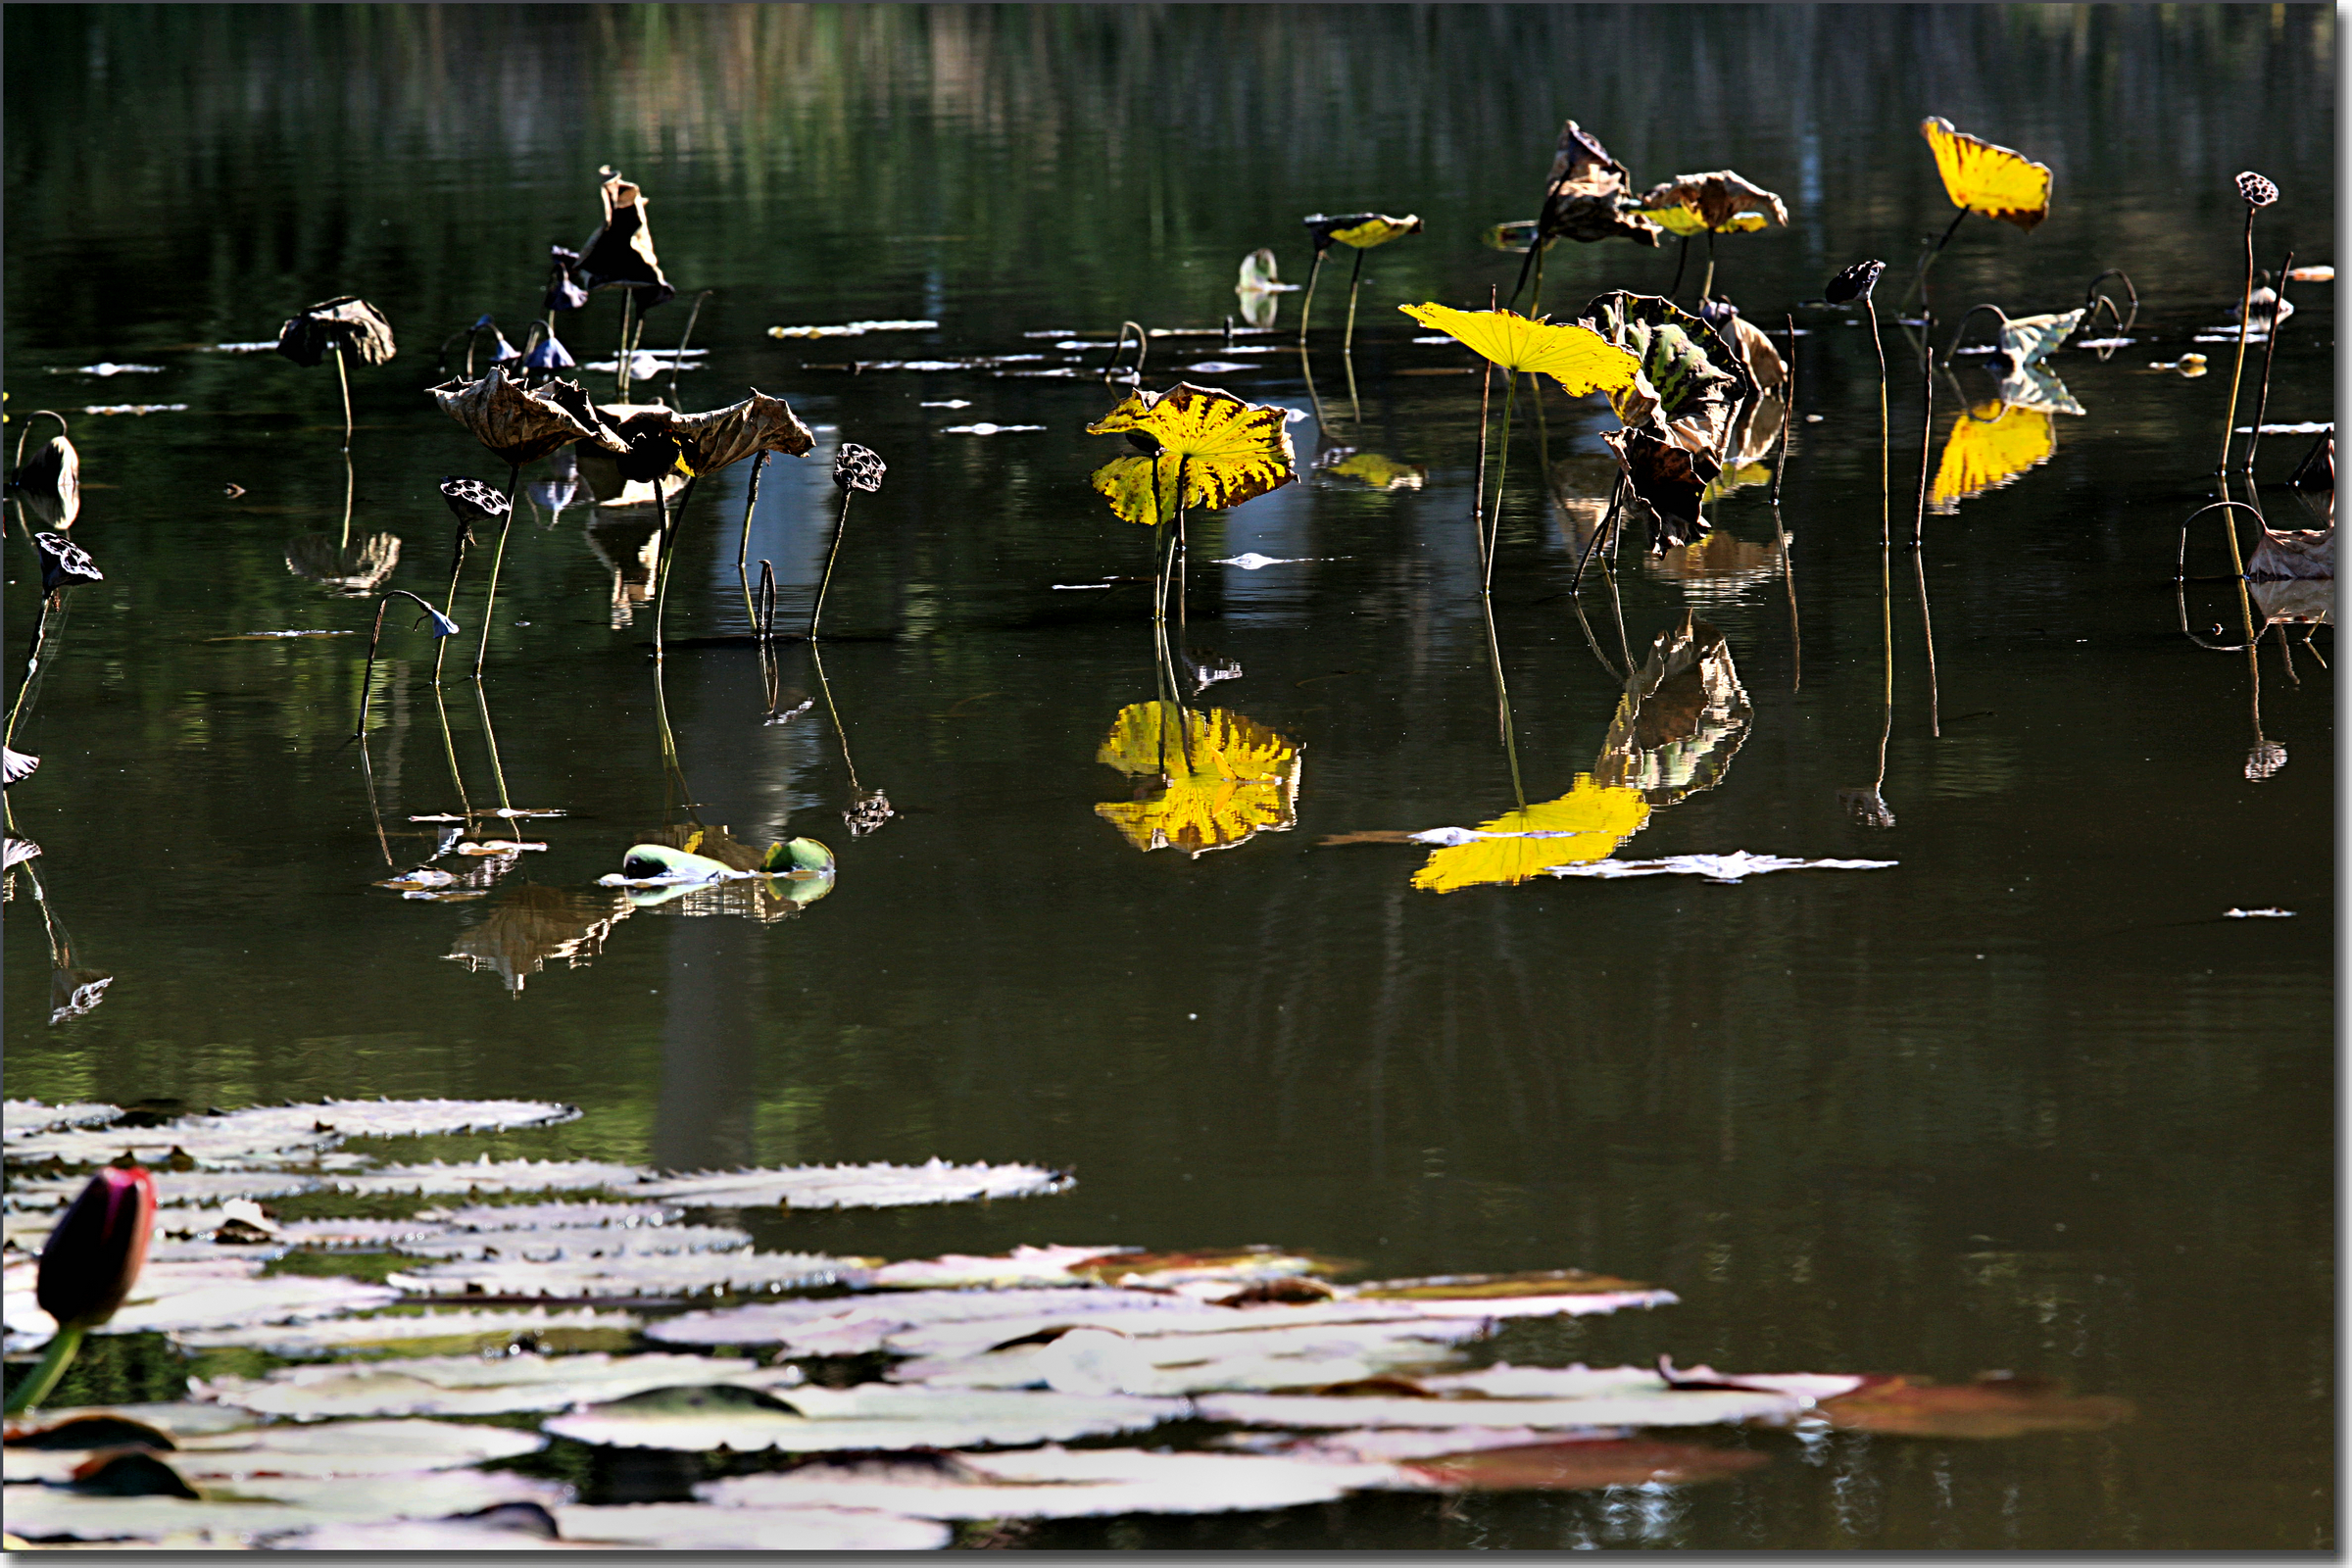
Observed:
{"x":1796,"y":641}
{"x":344,"y":542}
{"x":1503,"y":473}
{"x":669,"y":534}
{"x":343,"y":379}
{"x":32,"y":668}
{"x":670,"y":771}
{"x":1608,"y":521}
{"x":1534,"y":301}
{"x":1478,"y":486}
{"x":498,"y":773}
{"x":1308,"y":303}
{"x":743,"y":545}
{"x":690,"y":317}
{"x":2245,"y":312}
{"x":1356,"y":404}
{"x":1624,"y":648}
{"x":1919,"y":279}
{"x":449,"y":747}
{"x":840,"y":527}
{"x":375,"y":815}
{"x":1306,"y":370}
{"x":1502,"y":707}
{"x":1887,"y":628}
{"x":1918,"y":523}
{"x":498,"y":558}
{"x":2269,"y":349}
{"x":825,"y":686}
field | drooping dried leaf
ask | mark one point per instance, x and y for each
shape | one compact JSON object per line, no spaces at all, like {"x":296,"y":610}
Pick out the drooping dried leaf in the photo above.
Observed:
{"x":1721,"y":200}
{"x":1691,"y":382}
{"x":1671,"y":480}
{"x":1586,"y":195}
{"x":621,"y":254}
{"x":708,"y":442}
{"x":1358,"y":230}
{"x":347,"y":323}
{"x":522,"y":424}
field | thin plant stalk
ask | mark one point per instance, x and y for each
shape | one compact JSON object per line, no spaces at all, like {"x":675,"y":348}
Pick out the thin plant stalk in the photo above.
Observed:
{"x":1534,"y":301}
{"x":1796,"y":643}
{"x":2269,"y":349}
{"x":368,"y":673}
{"x":765,"y":622}
{"x":1608,"y":521}
{"x":2245,"y":312}
{"x":1886,"y":514}
{"x":374,"y":812}
{"x":1478,"y":488}
{"x":457,"y":564}
{"x":742,"y":542}
{"x":32,"y":668}
{"x":839,"y":526}
{"x":620,"y":377}
{"x":1502,"y":474}
{"x":1502,"y":710}
{"x":1308,"y":303}
{"x":1355,"y":278}
{"x":348,"y":483}
{"x":670,"y":537}
{"x":1706,"y":283}
{"x":680,"y":357}
{"x":1177,"y":551}
{"x":1918,"y":524}
{"x":448,"y":749}
{"x":857,"y":790}
{"x":498,"y":559}
{"x":59,"y":1354}
{"x":343,"y":379}
{"x":1919,"y":279}
{"x":1680,"y":261}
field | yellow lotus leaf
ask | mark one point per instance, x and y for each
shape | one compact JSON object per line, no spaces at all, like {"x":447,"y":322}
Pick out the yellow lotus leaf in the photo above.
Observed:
{"x":1572,"y":354}
{"x":1683,"y":221}
{"x":1223,"y":450}
{"x":1989,"y":445}
{"x":1367,"y":229}
{"x":1223,"y":777}
{"x":1982,"y":177}
{"x":1586,"y":823}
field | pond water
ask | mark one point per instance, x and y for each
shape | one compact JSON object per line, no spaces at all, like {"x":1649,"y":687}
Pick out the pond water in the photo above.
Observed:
{"x":2025,"y":1101}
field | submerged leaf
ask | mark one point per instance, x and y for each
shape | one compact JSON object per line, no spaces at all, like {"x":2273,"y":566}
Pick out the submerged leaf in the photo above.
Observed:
{"x":1982,"y":177}
{"x":1680,"y":719}
{"x":1996,"y":1405}
{"x":1221,"y":777}
{"x":1226,"y":452}
{"x":1372,"y":470}
{"x":1572,"y":354}
{"x":1586,"y":823}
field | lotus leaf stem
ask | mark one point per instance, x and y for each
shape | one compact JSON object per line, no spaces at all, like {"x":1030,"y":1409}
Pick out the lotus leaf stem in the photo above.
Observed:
{"x":348,"y":483}
{"x":1608,"y":521}
{"x":1885,"y":514}
{"x":1143,"y":343}
{"x":498,"y":559}
{"x":1680,"y":261}
{"x":1308,"y":303}
{"x":368,"y":675}
{"x":1355,"y":278}
{"x":448,"y":749}
{"x":1797,"y":644}
{"x":1478,"y":488}
{"x":620,"y":375}
{"x":55,"y":1358}
{"x":343,"y":380}
{"x":1919,"y":279}
{"x":2262,"y":400}
{"x":680,"y":357}
{"x":743,"y":543}
{"x":1918,"y":524}
{"x":839,"y":526}
{"x":1502,"y":474}
{"x":2245,"y":311}
{"x":1706,"y":283}
{"x":670,"y":533}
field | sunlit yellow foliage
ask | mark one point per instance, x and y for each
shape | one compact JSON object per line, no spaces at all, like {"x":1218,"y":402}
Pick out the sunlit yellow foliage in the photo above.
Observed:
{"x":1572,"y":354}
{"x":1380,"y":472}
{"x":1378,"y":229}
{"x":1223,"y":777}
{"x":1226,"y":452}
{"x":1591,"y":821}
{"x":1988,"y":180}
{"x":1989,"y":445}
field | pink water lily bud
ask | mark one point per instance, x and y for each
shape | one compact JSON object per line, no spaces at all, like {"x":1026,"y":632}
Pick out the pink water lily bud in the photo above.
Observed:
{"x":94,"y":1254}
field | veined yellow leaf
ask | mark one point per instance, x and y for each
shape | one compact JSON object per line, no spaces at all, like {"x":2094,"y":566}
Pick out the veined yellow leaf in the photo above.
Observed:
{"x":1361,"y":231}
{"x":1982,"y":177}
{"x":1590,"y":822}
{"x":1571,"y":354}
{"x":1220,"y":449}
{"x":1989,"y":445}
{"x":1223,"y":777}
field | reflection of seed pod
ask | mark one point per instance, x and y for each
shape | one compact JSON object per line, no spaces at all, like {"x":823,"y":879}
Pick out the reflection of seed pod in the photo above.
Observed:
{"x":2264,"y":760}
{"x":471,"y":499}
{"x":857,"y":467}
{"x":64,"y":563}
{"x":1855,"y":283}
{"x":2258,"y":191}
{"x":868,"y":813}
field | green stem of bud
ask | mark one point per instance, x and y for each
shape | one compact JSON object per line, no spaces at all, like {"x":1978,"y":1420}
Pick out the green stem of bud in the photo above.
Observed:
{"x":44,"y":1375}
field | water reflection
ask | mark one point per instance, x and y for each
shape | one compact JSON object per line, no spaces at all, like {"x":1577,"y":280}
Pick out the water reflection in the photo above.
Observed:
{"x":1681,"y":721}
{"x":626,"y":544}
{"x":1205,"y":780}
{"x":529,"y":925}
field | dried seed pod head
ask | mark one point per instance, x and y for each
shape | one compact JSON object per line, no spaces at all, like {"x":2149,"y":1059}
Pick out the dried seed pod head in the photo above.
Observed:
{"x":94,"y":1254}
{"x":474,"y":501}
{"x":1855,"y":283}
{"x":64,"y":563}
{"x":857,"y":467}
{"x":2264,"y":760}
{"x":2258,"y":191}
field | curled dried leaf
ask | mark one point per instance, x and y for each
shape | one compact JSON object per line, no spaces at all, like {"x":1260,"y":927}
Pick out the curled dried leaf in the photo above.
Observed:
{"x":347,"y":323}
{"x":522,"y":424}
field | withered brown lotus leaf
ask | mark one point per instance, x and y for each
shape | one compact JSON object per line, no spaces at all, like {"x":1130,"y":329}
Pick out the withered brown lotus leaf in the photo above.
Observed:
{"x":1670,"y":479}
{"x":348,"y":322}
{"x":1680,"y":719}
{"x":1719,"y":197}
{"x":621,"y":254}
{"x":1996,"y":1405}
{"x":524,"y":425}
{"x":49,"y":482}
{"x":758,"y":423}
{"x":1691,"y":383}
{"x":357,"y":567}
{"x":1585,"y":196}
{"x":1585,"y":1465}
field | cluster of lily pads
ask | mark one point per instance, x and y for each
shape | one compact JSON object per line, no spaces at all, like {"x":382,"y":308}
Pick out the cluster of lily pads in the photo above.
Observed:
{"x":497,"y":1310}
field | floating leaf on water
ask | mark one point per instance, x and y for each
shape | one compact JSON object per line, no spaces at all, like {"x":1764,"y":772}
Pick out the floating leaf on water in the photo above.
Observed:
{"x":1237,"y":1266}
{"x":463,"y":1384}
{"x":1996,"y":1405}
{"x":853,"y":329}
{"x":690,"y":1527}
{"x":1503,"y":1395}
{"x":1225,"y":451}
{"x":876,"y":1186}
{"x":652,"y":863}
{"x":1990,"y":444}
{"x":1142,"y":1353}
{"x":985,"y":429}
{"x":621,"y":1276}
{"x":560,"y":1216}
{"x":413,"y":1334}
{"x":24,"y":1117}
{"x":1727,"y":868}
{"x":870,"y":1415}
{"x":578,"y":1242}
{"x":347,"y":325}
{"x":1053,"y":1482}
{"x":322,"y":1450}
{"x":1023,"y":1265}
{"x":1982,"y":177}
{"x":1582,"y":1466}
{"x":1680,"y":719}
{"x":1586,"y":823}
{"x":1719,"y":200}
{"x":275,"y":1129}
{"x":172,"y":1186}
{"x":167,"y":1299}
{"x":1536,"y":1285}
{"x":491,"y":1176}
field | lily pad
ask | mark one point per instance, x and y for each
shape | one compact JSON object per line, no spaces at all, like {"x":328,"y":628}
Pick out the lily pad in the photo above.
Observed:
{"x":1502,"y":1396}
{"x":411,"y":1334}
{"x":913,"y":1322}
{"x":487,"y":1175}
{"x":532,"y":1246}
{"x":1996,"y":1405}
{"x":876,"y":1186}
{"x":278,"y":1505}
{"x":687,"y":1527}
{"x":1023,"y":1265}
{"x":464,"y":1384}
{"x":622,"y":1276}
{"x":24,"y":1117}
{"x":870,"y":1415}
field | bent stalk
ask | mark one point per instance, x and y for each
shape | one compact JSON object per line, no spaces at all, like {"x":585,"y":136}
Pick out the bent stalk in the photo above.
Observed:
{"x":2262,"y":402}
{"x":840,"y":527}
{"x":498,"y":558}
{"x":743,"y":543}
{"x":1308,"y":303}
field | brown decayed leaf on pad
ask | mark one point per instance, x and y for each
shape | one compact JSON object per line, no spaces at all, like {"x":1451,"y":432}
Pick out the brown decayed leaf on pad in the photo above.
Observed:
{"x":1669,"y":479}
{"x":1582,"y":1466}
{"x":348,"y":322}
{"x":522,"y":426}
{"x":1489,"y":1287}
{"x":1585,"y":196}
{"x":1996,"y":1405}
{"x":1718,"y":197}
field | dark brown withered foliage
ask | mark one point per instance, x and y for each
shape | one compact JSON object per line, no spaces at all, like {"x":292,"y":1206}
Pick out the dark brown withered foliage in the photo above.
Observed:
{"x":1587,"y":196}
{"x":347,"y":323}
{"x":1669,"y":479}
{"x":621,"y":254}
{"x":524,"y":425}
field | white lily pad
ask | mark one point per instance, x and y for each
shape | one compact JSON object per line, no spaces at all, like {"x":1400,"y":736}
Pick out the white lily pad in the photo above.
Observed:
{"x":453,"y":1535}
{"x":371,"y":1234}
{"x":464,"y":1384}
{"x":550,"y":1216}
{"x":325,"y":1448}
{"x":488,"y":1175}
{"x":1055,"y":1483}
{"x":870,"y":1415}
{"x":20,"y":1119}
{"x":857,"y":1324}
{"x":172,"y":1188}
{"x":1023,"y":1265}
{"x":1095,"y":1361}
{"x":876,"y":1186}
{"x":686,"y":1527}
{"x":201,"y":1294}
{"x":348,"y":1336}
{"x":1732,"y":868}
{"x":621,"y":1275}
{"x":575,"y":1242}
{"x":279,"y":1503}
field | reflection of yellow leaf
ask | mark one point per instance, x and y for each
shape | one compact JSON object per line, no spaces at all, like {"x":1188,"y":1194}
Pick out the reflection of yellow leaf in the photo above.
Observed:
{"x":1988,"y":180}
{"x":1990,"y":444}
{"x":1590,"y":819}
{"x":1382,"y":473}
{"x":1226,"y":452}
{"x":1223,"y":777}
{"x":1571,"y":353}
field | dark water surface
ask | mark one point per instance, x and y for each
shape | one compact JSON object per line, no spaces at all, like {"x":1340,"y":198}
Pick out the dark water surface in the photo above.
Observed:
{"x":2024,"y":1102}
